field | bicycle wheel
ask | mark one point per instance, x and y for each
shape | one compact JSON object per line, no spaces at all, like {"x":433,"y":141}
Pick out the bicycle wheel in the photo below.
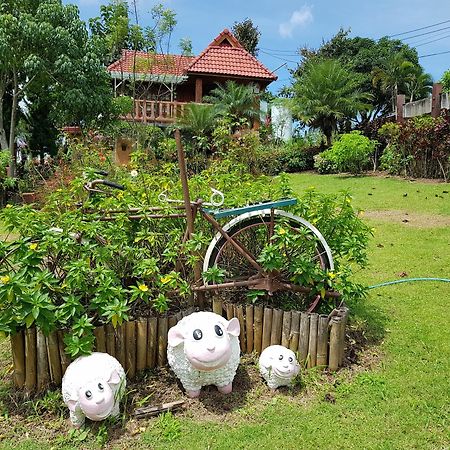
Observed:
{"x":253,"y":231}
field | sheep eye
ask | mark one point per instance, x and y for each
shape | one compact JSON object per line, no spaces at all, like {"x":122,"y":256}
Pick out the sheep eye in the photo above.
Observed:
{"x":218,"y":330}
{"x":291,"y":359}
{"x":88,"y":394}
{"x":100,"y":386}
{"x":197,"y":334}
{"x":280,"y":357}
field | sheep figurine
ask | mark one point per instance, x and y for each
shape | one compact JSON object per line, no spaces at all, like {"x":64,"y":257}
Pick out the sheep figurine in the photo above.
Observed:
{"x":278,"y":366}
{"x":203,"y":348}
{"x":92,"y":387}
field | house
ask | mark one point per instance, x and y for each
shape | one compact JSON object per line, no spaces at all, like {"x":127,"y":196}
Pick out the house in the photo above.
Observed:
{"x":162,"y":85}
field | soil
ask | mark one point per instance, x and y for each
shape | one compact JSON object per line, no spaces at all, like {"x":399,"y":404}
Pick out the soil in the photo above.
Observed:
{"x":414,"y":220}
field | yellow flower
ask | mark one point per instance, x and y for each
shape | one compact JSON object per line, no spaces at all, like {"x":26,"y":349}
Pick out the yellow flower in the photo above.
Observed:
{"x":33,"y":246}
{"x":349,"y":200}
{"x":166,"y":279}
{"x":5,"y":279}
{"x":8,"y":206}
{"x":120,"y":195}
{"x":143,"y":287}
{"x":331,"y":275}
{"x":281,"y":231}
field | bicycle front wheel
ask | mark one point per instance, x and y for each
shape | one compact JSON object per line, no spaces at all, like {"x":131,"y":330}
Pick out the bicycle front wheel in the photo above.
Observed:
{"x":253,"y":231}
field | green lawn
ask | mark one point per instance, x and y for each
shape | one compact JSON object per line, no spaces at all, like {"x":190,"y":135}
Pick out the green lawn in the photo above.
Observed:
{"x":397,"y":398}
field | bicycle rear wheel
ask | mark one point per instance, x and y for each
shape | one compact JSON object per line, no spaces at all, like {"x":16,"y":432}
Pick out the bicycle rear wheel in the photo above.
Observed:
{"x":253,"y":231}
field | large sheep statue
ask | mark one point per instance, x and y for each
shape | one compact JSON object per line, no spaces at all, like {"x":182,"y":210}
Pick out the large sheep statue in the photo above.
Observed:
{"x":278,"y":366}
{"x":203,"y":348}
{"x":92,"y":387}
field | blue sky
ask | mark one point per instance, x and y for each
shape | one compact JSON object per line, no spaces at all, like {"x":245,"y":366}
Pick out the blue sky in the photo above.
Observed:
{"x":286,"y":25}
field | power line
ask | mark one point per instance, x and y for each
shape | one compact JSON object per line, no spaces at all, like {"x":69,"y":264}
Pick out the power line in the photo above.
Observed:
{"x":434,"y":40}
{"x":419,"y":29}
{"x":423,"y":34}
{"x":425,"y":39}
{"x":279,"y":50}
{"x":278,"y":57}
{"x":434,"y":54}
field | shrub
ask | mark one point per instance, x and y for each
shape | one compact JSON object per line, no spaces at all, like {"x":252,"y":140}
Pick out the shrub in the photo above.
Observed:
{"x":350,"y":153}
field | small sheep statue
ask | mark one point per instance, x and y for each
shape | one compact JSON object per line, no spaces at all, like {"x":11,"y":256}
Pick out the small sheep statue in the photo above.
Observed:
{"x":278,"y":366}
{"x":203,"y":348}
{"x":92,"y":387}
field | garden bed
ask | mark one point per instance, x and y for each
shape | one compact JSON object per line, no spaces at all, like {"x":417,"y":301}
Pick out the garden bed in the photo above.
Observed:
{"x":40,"y":360}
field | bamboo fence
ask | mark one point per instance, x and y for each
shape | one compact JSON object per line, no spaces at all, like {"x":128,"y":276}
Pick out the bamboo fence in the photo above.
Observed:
{"x":318,"y":340}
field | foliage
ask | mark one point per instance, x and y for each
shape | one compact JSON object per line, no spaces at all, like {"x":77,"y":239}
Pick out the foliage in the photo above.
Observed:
{"x":446,"y":81}
{"x":326,"y":93}
{"x":349,"y":153}
{"x":420,"y":147}
{"x":248,"y":35}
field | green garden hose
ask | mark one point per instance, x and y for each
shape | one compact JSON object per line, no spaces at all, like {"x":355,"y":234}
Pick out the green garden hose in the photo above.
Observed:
{"x":408,"y":280}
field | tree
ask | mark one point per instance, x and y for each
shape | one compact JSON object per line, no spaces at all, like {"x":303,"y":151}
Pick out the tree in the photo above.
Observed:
{"x":45,"y":50}
{"x":446,"y":81}
{"x":248,"y":35}
{"x":326,"y":93}
{"x":418,"y":84}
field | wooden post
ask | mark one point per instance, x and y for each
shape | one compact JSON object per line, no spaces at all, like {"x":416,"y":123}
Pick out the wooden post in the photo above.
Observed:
{"x":130,"y":348}
{"x":295,"y":331}
{"x":230,"y":311}
{"x":152,"y":342}
{"x":110,"y":340}
{"x":172,"y":321}
{"x":335,"y":332}
{"x":198,"y":90}
{"x":258,"y":321}
{"x":65,"y":360}
{"x":217,"y":306}
{"x":277,"y":322}
{"x":43,"y":374}
{"x":322,"y":341}
{"x":100,"y":339}
{"x":120,"y":346}
{"x":18,"y":354}
{"x":436,"y":99}
{"x":141,"y":344}
{"x":163,"y":328}
{"x":267,"y":328}
{"x":54,"y":358}
{"x":344,"y":314}
{"x":312,"y":347}
{"x":30,"y":359}
{"x":239,"y":313}
{"x":286,"y":329}
{"x":249,"y":327}
{"x":303,"y":343}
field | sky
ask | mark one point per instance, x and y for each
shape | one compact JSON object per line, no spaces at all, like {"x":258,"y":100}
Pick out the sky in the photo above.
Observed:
{"x":287,"y":25}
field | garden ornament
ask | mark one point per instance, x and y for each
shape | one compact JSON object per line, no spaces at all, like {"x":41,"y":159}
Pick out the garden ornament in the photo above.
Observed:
{"x":203,"y":348}
{"x":278,"y":366}
{"x":92,"y":387}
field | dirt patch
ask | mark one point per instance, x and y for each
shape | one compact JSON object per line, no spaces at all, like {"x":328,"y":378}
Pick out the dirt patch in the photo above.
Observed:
{"x":415,"y":220}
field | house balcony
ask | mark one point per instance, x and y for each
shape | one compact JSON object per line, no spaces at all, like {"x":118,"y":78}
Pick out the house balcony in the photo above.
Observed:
{"x":155,"y":111}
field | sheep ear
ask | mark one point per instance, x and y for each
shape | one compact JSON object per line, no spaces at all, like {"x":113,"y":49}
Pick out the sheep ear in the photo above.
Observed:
{"x":233,"y":327}
{"x":114,"y":378}
{"x":72,"y":404}
{"x":175,"y":336}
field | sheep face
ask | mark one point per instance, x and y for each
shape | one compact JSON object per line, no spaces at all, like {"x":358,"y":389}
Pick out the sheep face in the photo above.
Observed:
{"x":280,"y":362}
{"x":206,"y":339}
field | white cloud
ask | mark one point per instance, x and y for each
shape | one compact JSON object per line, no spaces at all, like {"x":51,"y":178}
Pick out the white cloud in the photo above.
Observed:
{"x":299,"y":18}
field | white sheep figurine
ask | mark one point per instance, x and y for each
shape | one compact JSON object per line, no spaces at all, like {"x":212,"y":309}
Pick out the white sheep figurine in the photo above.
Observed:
{"x":92,"y":387}
{"x":278,"y":366}
{"x":203,"y":348}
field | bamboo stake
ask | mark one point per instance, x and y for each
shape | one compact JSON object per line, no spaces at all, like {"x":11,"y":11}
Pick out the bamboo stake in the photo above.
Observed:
{"x":335,"y":331}
{"x":249,"y":327}
{"x":322,"y":341}
{"x":43,"y":374}
{"x":258,"y":320}
{"x":110,"y":340}
{"x":303,"y":343}
{"x":179,"y":316}
{"x":172,"y":321}
{"x":18,"y":354}
{"x":141,"y":344}
{"x":130,"y":348}
{"x":152,"y":341}
{"x":217,"y":306}
{"x":277,"y":321}
{"x":54,"y":358}
{"x":65,"y":360}
{"x":286,"y":329}
{"x":100,"y":339}
{"x":312,"y":347}
{"x":239,"y":313}
{"x":163,"y":325}
{"x":267,"y":328}
{"x":30,"y":359}
{"x":230,"y":311}
{"x":344,"y":314}
{"x":120,"y":346}
{"x":295,"y":331}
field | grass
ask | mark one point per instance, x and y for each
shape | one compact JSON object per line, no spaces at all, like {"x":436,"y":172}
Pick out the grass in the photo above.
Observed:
{"x":397,"y":399}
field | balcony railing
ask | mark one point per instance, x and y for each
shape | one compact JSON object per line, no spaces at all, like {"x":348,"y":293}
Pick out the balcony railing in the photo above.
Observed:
{"x":154,"y":111}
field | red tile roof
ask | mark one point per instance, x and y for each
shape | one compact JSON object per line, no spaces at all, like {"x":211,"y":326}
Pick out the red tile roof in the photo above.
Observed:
{"x":156,"y":64}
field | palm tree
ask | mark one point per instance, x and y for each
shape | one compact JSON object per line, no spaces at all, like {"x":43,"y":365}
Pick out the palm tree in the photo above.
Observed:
{"x":235,"y":101}
{"x":325,"y":94}
{"x":418,"y":84}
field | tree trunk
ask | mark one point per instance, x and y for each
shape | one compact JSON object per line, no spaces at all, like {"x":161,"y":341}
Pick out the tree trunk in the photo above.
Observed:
{"x":3,"y":139}
{"x":12,"y":131}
